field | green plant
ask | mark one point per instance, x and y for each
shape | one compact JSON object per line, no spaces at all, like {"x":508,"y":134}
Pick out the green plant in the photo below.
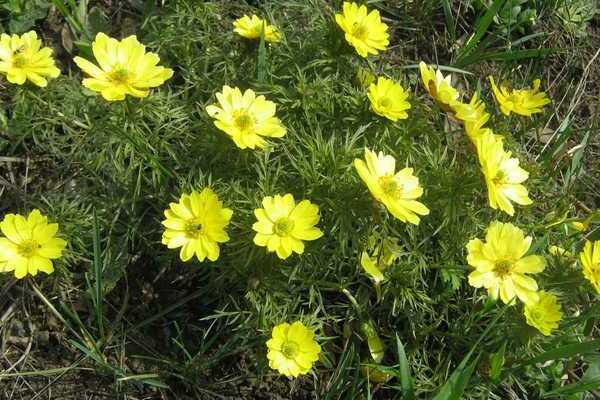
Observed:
{"x":575,"y":15}
{"x":22,"y":15}
{"x":125,"y":313}
{"x":514,"y":17}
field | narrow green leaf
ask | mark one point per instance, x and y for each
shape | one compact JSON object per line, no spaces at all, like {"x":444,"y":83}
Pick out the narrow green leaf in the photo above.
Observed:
{"x":454,"y":388}
{"x":90,"y":353}
{"x":564,"y":132}
{"x":497,"y":363}
{"x":577,"y":159}
{"x":97,"y":264}
{"x":567,"y":351}
{"x":148,"y":379}
{"x":261,"y":65}
{"x":440,"y":67}
{"x":527,"y":38}
{"x":81,"y":12}
{"x":405,"y":377}
{"x":450,"y":22}
{"x":574,"y":388}
{"x":456,"y":384}
{"x":481,"y":27}
{"x":510,"y":55}
{"x":68,"y":16}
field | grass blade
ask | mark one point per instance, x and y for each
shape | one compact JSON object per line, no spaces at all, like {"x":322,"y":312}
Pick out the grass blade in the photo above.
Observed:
{"x":454,"y":388}
{"x":97,"y":264}
{"x":74,"y":24}
{"x":567,"y":351}
{"x":574,"y":388}
{"x":511,"y":55}
{"x":456,"y":384}
{"x":405,"y":378}
{"x":450,"y":22}
{"x":497,"y":363}
{"x":481,"y":27}
{"x":261,"y":65}
{"x":576,"y":163}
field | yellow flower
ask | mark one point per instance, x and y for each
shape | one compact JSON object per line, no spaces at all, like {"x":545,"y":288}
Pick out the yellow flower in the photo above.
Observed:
{"x":503,"y":176}
{"x":246,"y":117}
{"x":196,"y":224}
{"x":557,"y":251}
{"x":590,"y":261}
{"x":439,"y":87}
{"x":474,"y":116}
{"x":125,"y":68}
{"x":579,"y":226}
{"x":23,"y":58}
{"x":388,"y":99}
{"x":398,"y":191}
{"x":282,"y":225}
{"x":471,"y":111}
{"x":371,"y":267}
{"x":30,"y":244}
{"x":501,"y":265}
{"x":383,"y":257}
{"x":250,"y":28}
{"x":292,"y":349}
{"x":364,"y":31}
{"x":545,"y":314}
{"x":520,"y":101}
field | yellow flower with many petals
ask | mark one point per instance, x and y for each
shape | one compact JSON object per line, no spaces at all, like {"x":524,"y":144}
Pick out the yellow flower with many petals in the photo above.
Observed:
{"x":472,"y":111}
{"x":282,"y":225}
{"x":501,"y":265}
{"x":246,"y":118}
{"x":520,"y":101}
{"x":251,"y":27}
{"x":292,"y":349}
{"x":23,"y":58}
{"x":398,"y":191}
{"x":30,"y":244}
{"x":388,"y":99}
{"x":590,"y":261}
{"x":439,"y":87}
{"x":124,"y":68}
{"x":474,"y":116}
{"x":196,"y":224}
{"x":545,"y":314}
{"x":503,"y":176}
{"x":364,"y":31}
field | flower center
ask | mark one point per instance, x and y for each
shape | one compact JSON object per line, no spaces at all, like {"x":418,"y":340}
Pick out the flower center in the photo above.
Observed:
{"x":518,"y":97}
{"x":283,"y":226}
{"x":28,"y":248}
{"x":359,"y":31}
{"x":385,"y":102}
{"x":193,"y":229}
{"x":119,"y":75}
{"x":499,"y":178}
{"x":503,"y":268}
{"x":390,"y":186}
{"x":19,"y":60}
{"x":243,"y":121}
{"x":290,"y":349}
{"x":536,"y":315}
